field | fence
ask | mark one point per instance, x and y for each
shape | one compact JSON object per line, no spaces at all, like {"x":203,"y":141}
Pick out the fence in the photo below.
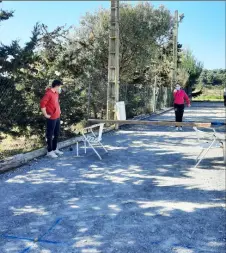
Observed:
{"x":22,"y":126}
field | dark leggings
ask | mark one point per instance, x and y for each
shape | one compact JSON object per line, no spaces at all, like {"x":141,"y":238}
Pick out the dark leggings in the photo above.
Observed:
{"x":179,"y":111}
{"x":52,"y":133}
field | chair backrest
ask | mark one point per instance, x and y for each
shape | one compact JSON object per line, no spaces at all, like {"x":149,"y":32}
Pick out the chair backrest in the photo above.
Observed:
{"x":91,"y":129}
{"x":203,"y":136}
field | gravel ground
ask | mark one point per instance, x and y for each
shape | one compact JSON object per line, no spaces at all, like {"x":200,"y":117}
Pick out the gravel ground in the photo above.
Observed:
{"x":144,"y":196}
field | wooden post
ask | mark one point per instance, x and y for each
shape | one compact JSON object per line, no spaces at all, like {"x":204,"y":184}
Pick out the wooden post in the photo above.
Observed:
{"x":175,"y":39}
{"x":153,"y":123}
{"x":154,"y":94}
{"x":113,"y":61}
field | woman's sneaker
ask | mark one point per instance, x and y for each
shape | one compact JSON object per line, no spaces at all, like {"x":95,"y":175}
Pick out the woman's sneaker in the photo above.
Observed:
{"x":52,"y":154}
{"x":180,"y":128}
{"x":58,"y":152}
{"x":176,"y":128}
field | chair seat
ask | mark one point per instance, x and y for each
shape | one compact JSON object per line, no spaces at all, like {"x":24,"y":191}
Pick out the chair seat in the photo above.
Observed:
{"x":92,"y":139}
{"x":207,"y":144}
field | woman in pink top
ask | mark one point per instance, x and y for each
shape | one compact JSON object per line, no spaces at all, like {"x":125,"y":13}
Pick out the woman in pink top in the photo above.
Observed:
{"x":179,"y":97}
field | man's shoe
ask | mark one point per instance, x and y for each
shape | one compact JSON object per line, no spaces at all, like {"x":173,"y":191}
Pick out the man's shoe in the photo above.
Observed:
{"x":180,"y":128}
{"x":52,"y":154}
{"x":58,"y":152}
{"x":176,"y":128}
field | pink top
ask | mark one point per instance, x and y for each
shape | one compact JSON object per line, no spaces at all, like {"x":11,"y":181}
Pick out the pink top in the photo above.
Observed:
{"x":180,"y":96}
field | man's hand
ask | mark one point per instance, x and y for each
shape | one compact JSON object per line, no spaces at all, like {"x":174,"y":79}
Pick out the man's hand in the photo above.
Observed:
{"x":47,"y":116}
{"x":175,"y":90}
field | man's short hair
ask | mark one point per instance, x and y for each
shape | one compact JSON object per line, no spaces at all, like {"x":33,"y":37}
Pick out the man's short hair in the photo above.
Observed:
{"x":56,"y":83}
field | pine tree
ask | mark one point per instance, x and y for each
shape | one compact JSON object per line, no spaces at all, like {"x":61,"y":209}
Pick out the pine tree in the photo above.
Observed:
{"x":5,"y":15}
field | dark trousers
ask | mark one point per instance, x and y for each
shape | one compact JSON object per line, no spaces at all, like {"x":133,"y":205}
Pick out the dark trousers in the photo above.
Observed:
{"x":52,"y":133}
{"x":179,"y":112}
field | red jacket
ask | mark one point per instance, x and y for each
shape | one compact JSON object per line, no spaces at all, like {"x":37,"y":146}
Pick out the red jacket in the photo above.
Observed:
{"x":50,"y":101}
{"x":180,"y":96}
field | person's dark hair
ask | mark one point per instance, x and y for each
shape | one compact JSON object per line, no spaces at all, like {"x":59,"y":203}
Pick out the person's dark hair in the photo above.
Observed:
{"x":56,"y":83}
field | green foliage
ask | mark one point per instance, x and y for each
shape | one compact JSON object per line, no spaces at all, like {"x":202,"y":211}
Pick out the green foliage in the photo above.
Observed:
{"x":192,"y":66}
{"x":210,"y":85}
{"x":213,"y":77}
{"x":209,"y":92}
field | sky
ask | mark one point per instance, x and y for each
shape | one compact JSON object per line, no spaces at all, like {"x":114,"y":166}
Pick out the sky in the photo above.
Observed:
{"x":202,"y":30}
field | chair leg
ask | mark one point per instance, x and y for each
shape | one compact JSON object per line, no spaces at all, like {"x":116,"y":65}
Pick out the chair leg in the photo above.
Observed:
{"x":92,"y":148}
{"x":224,"y":152}
{"x":85,"y":146}
{"x":103,"y":147}
{"x":95,"y":150}
{"x":197,"y":158}
{"x":207,"y":150}
{"x":77,"y":147}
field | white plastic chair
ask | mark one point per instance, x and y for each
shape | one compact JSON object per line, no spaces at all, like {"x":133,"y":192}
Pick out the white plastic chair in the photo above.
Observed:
{"x":92,"y":139}
{"x":207,"y":141}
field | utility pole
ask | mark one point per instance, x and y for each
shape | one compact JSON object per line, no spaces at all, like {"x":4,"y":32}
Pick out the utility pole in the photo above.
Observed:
{"x":175,"y":39}
{"x":113,"y":62}
{"x":154,"y":64}
{"x":154,"y":94}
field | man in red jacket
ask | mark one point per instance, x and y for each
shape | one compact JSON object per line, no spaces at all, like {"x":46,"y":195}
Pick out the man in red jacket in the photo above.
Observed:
{"x":51,"y":110}
{"x":179,"y":97}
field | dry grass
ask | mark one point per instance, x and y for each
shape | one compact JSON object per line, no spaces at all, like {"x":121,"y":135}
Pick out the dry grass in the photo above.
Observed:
{"x":211,"y":93}
{"x":10,"y":146}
